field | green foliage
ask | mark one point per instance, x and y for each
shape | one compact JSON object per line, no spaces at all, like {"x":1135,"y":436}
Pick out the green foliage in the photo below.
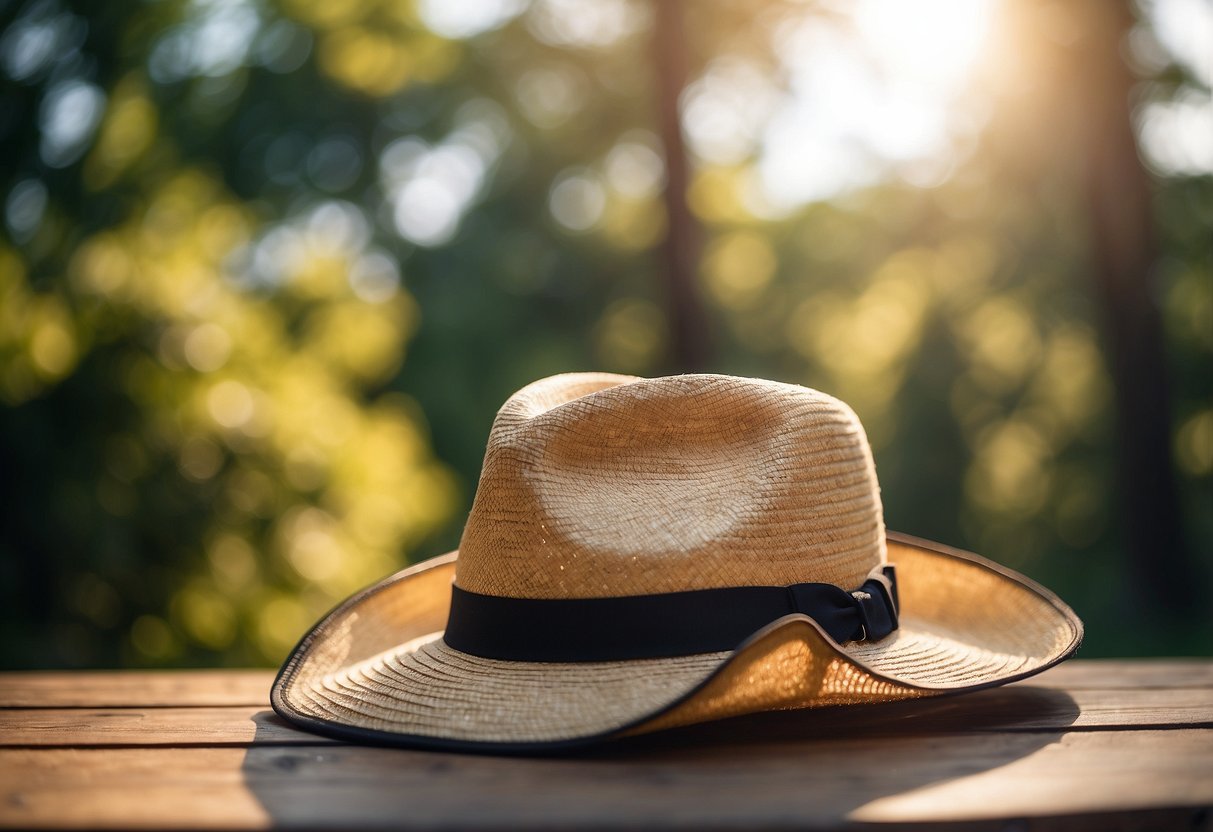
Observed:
{"x":264,"y":284}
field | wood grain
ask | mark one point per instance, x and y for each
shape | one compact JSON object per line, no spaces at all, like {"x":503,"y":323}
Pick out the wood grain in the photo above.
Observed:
{"x":1091,"y":745}
{"x":1015,"y":708}
{"x":239,"y":725}
{"x":212,"y":688}
{"x":1135,"y":673}
{"x":134,"y":689}
{"x":765,"y":785}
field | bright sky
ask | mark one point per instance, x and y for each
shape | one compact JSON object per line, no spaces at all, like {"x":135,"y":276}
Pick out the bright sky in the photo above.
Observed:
{"x":860,"y":110}
{"x":857,"y":109}
{"x":1177,"y":135}
{"x":883,"y":103}
{"x":854,"y":111}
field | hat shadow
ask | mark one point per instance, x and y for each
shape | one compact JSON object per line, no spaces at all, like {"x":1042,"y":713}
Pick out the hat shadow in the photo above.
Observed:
{"x":788,"y":768}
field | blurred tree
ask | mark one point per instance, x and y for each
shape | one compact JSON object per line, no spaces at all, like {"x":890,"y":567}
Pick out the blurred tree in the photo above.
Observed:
{"x":994,"y":256}
{"x":681,"y":248}
{"x":1124,"y":256}
{"x":226,"y":222}
{"x":198,"y":452}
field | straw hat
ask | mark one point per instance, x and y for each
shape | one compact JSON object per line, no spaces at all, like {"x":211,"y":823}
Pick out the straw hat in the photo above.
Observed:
{"x":647,"y":553}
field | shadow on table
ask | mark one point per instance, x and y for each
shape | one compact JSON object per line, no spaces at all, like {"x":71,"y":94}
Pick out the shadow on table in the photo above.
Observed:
{"x":782,"y":769}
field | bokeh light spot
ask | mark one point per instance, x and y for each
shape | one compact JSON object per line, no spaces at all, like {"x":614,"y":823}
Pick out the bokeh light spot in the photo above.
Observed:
{"x":738,"y":267}
{"x":1009,"y":475}
{"x":1194,"y":444}
{"x":151,"y":637}
{"x":230,"y":404}
{"x":585,"y":24}
{"x":70,"y":113}
{"x":200,"y":459}
{"x":1003,"y":343}
{"x":280,"y":622}
{"x":205,"y":615}
{"x":577,"y":200}
{"x":631,"y":335}
{"x":467,"y":18}
{"x":634,"y":168}
{"x":53,"y":347}
{"x":24,"y":207}
{"x":550,"y":96}
{"x":207,"y":347}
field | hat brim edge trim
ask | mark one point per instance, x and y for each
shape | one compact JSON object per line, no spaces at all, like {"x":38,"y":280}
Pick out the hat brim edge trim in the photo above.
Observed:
{"x":369,"y":736}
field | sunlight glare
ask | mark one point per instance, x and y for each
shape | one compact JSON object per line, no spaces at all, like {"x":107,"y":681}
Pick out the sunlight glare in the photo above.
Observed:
{"x":467,"y":18}
{"x":932,"y":41}
{"x":878,"y":103}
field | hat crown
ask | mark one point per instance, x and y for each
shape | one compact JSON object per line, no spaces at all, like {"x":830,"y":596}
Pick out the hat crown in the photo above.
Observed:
{"x":599,"y":485}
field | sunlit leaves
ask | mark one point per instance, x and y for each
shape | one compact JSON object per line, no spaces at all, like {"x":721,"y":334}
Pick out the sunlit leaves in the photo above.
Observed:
{"x":1194,"y":444}
{"x":256,"y":397}
{"x":236,"y":230}
{"x":128,"y":130}
{"x":39,"y":338}
{"x":375,"y":48}
{"x":737,"y":268}
{"x":630,"y":336}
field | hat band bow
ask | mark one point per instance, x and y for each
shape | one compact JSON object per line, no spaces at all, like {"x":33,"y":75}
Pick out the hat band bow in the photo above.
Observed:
{"x":662,"y":625}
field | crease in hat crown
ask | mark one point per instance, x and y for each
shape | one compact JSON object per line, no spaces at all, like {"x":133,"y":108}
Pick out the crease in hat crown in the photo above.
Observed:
{"x":598,"y":485}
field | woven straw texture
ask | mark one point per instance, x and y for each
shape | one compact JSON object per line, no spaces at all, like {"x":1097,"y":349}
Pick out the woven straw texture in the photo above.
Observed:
{"x":599,"y":485}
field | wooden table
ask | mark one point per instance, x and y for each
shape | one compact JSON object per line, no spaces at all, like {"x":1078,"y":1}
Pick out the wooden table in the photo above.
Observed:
{"x":1098,"y":745}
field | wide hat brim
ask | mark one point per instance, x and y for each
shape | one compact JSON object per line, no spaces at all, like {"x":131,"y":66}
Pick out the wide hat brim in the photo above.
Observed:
{"x":376,"y":669}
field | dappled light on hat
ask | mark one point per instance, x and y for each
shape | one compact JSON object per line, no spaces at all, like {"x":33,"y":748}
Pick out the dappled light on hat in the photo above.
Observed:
{"x":789,"y":674}
{"x":591,"y":502}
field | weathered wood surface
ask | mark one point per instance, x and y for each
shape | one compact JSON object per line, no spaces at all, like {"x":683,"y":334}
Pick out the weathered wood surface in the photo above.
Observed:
{"x":1003,"y":711}
{"x":1096,"y":745}
{"x":134,"y":689}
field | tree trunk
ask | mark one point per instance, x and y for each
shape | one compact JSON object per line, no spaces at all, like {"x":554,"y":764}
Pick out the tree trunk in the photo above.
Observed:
{"x":1123,"y":266}
{"x":689,"y":342}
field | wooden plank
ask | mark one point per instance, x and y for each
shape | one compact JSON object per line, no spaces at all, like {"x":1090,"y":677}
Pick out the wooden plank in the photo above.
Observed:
{"x":128,"y":788}
{"x":1017,"y":708}
{"x":135,"y":689}
{"x":1128,"y":673}
{"x":1080,"y":777}
{"x":1014,"y":709}
{"x":1118,"y":771}
{"x":213,"y":688}
{"x":239,"y":725}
